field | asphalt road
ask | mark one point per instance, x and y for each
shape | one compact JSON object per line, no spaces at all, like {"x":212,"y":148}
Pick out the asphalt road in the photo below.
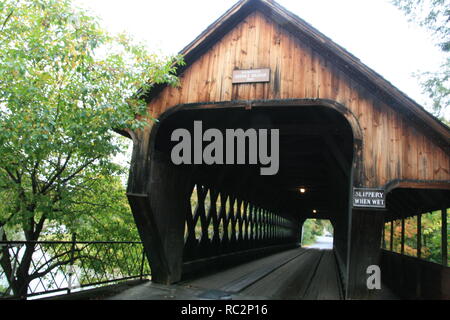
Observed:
{"x":322,"y":243}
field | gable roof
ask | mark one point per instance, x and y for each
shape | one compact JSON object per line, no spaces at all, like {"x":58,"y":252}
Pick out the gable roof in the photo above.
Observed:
{"x":348,"y":63}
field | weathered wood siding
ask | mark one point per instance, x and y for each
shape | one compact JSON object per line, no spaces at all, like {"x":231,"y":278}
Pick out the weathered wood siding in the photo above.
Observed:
{"x":393,"y":147}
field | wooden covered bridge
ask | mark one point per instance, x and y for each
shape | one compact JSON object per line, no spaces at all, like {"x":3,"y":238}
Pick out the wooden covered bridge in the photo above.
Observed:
{"x":364,"y":153}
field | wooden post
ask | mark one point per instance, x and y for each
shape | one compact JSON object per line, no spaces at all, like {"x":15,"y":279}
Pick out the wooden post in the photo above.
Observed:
{"x":364,"y":251}
{"x":301,"y":225}
{"x":160,"y":215}
{"x":444,"y":237}
{"x":402,"y":250}
{"x":391,"y":238}
{"x":419,"y":235}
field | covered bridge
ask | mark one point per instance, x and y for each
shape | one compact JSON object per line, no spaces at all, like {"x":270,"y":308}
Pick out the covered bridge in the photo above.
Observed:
{"x":346,"y":136}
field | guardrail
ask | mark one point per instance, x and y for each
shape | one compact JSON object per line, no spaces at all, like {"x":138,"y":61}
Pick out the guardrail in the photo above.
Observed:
{"x":413,"y":278}
{"x":57,"y":267}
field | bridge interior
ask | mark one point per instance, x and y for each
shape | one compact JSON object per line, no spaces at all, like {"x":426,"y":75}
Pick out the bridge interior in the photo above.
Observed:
{"x":232,"y":209}
{"x":315,"y":154}
{"x":229,"y":230}
{"x":295,"y":274}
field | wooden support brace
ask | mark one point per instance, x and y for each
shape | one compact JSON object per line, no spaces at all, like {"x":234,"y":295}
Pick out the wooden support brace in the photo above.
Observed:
{"x":402,"y":250}
{"x":444,"y":236}
{"x":419,"y":235}
{"x":364,"y":251}
{"x":391,"y":238}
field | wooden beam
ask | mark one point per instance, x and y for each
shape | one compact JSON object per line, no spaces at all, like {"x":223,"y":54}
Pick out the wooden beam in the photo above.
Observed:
{"x":333,"y":147}
{"x":364,"y":250}
{"x":417,"y":184}
{"x":419,"y":235}
{"x":394,"y":207}
{"x":391,"y":239}
{"x":402,"y":250}
{"x":306,"y":129}
{"x":406,"y":202}
{"x":335,"y":171}
{"x":444,"y":246}
{"x":337,"y":154}
{"x":307,"y":150}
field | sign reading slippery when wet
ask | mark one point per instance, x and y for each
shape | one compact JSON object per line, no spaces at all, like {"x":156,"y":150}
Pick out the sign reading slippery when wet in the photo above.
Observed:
{"x":369,"y":198}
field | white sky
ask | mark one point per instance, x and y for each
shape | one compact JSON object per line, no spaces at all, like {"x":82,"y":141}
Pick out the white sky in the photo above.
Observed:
{"x":373,"y":30}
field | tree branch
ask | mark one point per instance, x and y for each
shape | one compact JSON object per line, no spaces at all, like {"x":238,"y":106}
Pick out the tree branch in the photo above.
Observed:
{"x":11,"y":175}
{"x":4,"y":222}
{"x":71,"y":176}
{"x":5,"y":259}
{"x":39,"y":226}
{"x":7,"y":18}
{"x":58,"y":172}
{"x":55,"y":265}
{"x":59,"y":256}
{"x":34,"y":182}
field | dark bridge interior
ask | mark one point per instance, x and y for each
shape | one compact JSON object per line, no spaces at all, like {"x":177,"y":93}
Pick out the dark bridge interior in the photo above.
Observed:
{"x":227,"y":226}
{"x":315,"y":154}
{"x":316,"y":151}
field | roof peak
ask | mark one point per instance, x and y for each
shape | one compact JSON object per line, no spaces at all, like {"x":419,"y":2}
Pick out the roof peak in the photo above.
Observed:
{"x":319,"y":42}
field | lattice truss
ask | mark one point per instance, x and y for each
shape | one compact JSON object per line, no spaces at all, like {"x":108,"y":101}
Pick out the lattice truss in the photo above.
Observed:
{"x":218,"y":223}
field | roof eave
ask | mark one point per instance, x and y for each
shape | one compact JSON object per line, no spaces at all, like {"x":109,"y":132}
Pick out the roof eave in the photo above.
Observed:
{"x":348,"y":63}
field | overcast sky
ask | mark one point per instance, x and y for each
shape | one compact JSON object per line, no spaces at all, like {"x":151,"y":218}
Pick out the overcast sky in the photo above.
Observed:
{"x":373,"y":30}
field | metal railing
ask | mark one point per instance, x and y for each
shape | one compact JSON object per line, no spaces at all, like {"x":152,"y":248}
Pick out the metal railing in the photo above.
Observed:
{"x":59,"y":267}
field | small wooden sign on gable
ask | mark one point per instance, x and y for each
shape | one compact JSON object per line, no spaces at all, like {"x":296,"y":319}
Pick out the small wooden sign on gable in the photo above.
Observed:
{"x":251,"y":76}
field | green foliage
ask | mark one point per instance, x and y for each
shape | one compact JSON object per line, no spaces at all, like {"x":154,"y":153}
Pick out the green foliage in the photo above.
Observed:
{"x":431,"y":14}
{"x":64,"y":84}
{"x":431,"y":236}
{"x":437,"y":86}
{"x":410,"y":236}
{"x":96,"y":213}
{"x":434,"y":15}
{"x":313,"y":228}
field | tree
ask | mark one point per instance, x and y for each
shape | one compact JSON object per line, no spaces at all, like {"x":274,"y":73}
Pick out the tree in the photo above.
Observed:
{"x":433,"y":15}
{"x":313,"y":228}
{"x":430,"y":236}
{"x":64,"y":83}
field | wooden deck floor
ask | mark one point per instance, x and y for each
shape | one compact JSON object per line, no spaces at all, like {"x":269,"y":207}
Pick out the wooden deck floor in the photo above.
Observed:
{"x":295,"y":274}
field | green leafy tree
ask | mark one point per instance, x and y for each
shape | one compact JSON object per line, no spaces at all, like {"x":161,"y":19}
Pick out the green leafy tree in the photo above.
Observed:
{"x":313,"y":228}
{"x":64,"y":83}
{"x":430,"y":236}
{"x":434,"y":15}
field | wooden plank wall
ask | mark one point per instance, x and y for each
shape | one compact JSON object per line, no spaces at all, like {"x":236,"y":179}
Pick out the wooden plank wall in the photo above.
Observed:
{"x":393,"y":148}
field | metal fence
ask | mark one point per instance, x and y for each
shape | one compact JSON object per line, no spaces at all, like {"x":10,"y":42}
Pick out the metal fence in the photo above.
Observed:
{"x":66,"y":266}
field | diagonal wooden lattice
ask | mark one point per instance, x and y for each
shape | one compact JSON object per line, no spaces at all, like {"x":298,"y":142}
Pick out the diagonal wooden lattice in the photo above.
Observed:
{"x":219,"y":223}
